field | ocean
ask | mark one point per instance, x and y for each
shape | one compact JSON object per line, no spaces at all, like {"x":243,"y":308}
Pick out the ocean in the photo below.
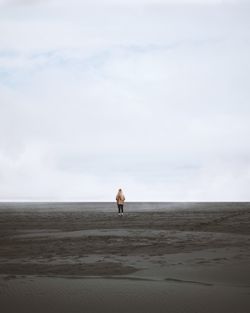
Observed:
{"x":111,"y":206}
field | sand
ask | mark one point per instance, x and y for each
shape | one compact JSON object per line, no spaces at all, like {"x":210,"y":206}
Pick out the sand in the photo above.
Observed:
{"x":185,"y":259}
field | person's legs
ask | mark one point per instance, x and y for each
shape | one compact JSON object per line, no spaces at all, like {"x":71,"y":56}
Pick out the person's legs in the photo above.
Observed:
{"x":120,"y":209}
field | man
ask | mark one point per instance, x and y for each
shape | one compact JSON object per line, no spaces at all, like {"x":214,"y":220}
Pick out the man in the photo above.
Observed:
{"x":120,"y":201}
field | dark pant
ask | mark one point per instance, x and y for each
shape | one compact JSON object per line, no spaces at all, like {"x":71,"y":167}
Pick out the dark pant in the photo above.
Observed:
{"x":120,"y":208}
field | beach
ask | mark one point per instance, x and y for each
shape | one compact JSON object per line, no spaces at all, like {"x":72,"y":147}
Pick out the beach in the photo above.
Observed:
{"x":167,"y":257}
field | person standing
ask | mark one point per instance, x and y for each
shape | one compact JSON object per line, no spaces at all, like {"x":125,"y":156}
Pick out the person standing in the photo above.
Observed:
{"x":120,"y":198}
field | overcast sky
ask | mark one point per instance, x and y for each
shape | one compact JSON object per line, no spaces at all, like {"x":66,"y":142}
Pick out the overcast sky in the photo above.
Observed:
{"x":150,"y":96}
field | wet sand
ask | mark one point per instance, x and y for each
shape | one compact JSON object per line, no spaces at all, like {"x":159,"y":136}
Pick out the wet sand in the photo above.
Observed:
{"x":194,"y":259}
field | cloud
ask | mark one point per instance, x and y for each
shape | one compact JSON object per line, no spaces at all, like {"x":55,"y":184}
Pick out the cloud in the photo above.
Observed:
{"x":155,"y":101}
{"x":115,"y":2}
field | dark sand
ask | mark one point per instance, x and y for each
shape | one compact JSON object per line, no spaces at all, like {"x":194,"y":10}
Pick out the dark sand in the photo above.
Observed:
{"x":186,"y":259}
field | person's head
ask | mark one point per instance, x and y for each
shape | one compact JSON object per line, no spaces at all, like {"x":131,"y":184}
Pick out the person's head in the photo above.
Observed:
{"x":120,"y":190}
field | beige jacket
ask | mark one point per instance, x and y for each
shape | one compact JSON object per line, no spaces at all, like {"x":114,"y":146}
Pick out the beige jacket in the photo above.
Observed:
{"x":120,"y":198}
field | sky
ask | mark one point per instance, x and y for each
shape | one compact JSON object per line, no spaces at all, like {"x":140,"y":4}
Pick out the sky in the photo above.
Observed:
{"x":151,"y":96}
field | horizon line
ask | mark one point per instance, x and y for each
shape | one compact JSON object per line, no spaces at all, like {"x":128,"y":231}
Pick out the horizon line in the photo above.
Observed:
{"x":132,"y":201}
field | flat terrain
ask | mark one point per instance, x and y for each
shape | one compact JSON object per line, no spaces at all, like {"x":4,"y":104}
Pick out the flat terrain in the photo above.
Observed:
{"x":182,"y":259}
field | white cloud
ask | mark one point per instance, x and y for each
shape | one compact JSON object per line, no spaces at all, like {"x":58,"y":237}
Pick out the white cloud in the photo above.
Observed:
{"x":114,"y":2}
{"x":155,"y":101}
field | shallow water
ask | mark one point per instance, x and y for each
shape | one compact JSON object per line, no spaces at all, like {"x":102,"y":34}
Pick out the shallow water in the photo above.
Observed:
{"x":128,"y":207}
